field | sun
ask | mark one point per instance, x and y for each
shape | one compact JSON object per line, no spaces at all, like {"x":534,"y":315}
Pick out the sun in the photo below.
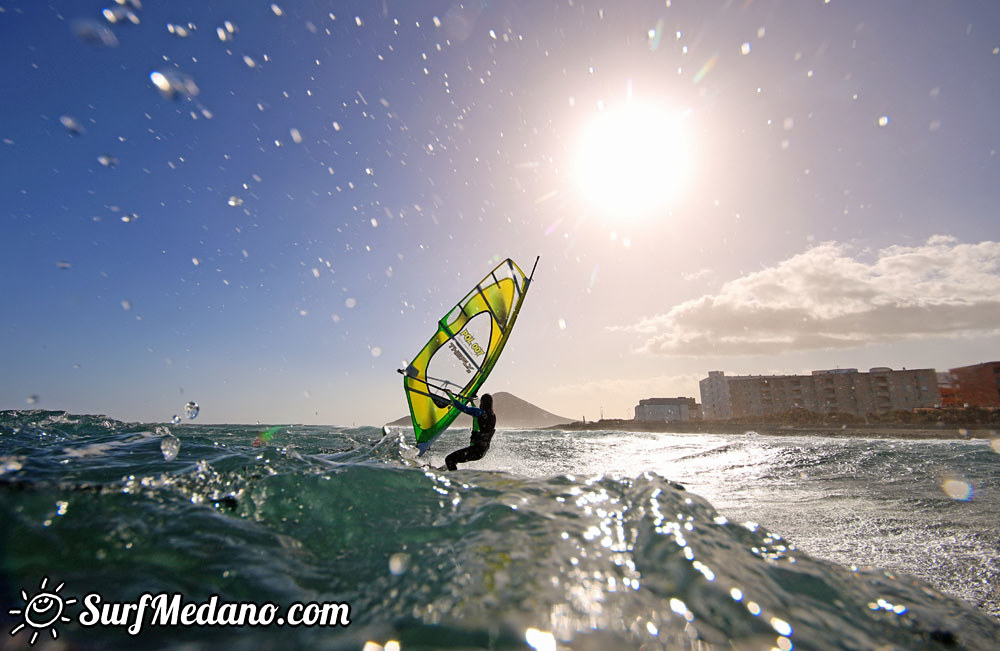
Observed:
{"x":42,"y":611}
{"x":633,"y":160}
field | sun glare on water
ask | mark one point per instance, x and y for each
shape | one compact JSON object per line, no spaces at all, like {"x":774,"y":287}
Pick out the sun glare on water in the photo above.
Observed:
{"x":633,"y":160}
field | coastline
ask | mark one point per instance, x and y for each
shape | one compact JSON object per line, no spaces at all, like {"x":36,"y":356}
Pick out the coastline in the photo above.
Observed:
{"x":885,"y":431}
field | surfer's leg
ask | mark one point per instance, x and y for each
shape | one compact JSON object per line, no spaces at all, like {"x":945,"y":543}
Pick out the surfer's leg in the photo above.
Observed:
{"x":457,"y":457}
{"x":451,"y":461}
{"x":476,"y":452}
{"x":471,"y":453}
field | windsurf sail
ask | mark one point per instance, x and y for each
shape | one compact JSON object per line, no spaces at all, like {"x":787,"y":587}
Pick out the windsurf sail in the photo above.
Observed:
{"x":463,"y":351}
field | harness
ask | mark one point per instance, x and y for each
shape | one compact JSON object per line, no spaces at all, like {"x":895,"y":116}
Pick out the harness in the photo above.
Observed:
{"x":483,"y":429}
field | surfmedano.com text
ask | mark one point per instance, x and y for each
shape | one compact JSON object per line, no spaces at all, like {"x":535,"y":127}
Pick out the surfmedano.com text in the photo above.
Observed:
{"x":171,"y":610}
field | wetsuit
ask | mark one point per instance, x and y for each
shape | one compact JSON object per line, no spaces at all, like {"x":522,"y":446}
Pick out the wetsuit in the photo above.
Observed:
{"x":484,"y":424}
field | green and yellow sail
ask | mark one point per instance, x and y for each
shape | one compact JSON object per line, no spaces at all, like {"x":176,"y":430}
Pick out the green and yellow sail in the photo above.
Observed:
{"x":464,"y":349}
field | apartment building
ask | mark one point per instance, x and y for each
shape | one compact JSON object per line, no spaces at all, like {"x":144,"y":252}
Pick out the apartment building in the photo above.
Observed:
{"x":847,"y":391}
{"x":977,"y":385}
{"x":716,"y":400}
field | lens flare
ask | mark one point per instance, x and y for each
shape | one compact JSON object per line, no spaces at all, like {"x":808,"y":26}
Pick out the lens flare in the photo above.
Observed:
{"x":957,"y":489}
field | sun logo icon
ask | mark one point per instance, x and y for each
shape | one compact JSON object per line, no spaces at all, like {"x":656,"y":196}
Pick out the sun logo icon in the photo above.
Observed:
{"x":42,"y":611}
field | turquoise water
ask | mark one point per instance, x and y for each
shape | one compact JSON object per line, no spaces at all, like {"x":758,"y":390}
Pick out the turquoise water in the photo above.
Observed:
{"x":554,"y":540}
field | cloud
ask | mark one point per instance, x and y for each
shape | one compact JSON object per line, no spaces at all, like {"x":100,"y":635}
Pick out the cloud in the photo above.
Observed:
{"x":701,"y":273}
{"x":828,"y":298}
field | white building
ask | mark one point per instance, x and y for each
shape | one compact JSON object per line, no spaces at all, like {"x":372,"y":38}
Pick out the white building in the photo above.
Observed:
{"x":716,"y":401}
{"x":667,"y":410}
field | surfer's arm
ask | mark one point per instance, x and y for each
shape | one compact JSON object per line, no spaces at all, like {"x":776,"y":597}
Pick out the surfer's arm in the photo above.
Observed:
{"x":475,"y":412}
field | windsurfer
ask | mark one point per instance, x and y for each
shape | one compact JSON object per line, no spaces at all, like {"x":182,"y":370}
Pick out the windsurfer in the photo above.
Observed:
{"x":484,"y":423}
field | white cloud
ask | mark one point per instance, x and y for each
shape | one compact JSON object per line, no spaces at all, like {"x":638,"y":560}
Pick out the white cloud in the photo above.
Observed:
{"x":828,"y":297}
{"x":695,"y":275}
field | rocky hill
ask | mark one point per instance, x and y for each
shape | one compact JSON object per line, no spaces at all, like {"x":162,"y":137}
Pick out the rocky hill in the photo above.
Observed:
{"x":512,"y":413}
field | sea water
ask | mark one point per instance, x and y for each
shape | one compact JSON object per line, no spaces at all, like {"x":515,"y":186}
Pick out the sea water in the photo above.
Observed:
{"x":578,"y":540}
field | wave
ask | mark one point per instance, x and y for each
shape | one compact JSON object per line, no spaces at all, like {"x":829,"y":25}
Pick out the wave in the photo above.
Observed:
{"x":432,"y":559}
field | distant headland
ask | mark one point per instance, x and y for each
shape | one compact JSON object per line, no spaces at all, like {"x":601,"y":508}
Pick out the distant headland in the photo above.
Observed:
{"x":512,"y":413}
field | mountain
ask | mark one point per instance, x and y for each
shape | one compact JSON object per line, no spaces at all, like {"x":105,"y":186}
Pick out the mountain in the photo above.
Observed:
{"x":512,"y":413}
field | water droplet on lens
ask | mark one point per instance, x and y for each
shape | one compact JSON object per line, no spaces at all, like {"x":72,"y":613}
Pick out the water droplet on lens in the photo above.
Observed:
{"x":176,"y":419}
{"x":32,"y":399}
{"x":119,"y":14}
{"x":226,"y":31}
{"x":191,"y":410}
{"x":398,"y":563}
{"x":107,"y":160}
{"x":72,"y":126}
{"x":93,"y":32}
{"x":235,"y":201}
{"x":10,"y":464}
{"x":174,"y":84}
{"x":351,"y":302}
{"x":178,"y":30}
{"x":170,"y":445}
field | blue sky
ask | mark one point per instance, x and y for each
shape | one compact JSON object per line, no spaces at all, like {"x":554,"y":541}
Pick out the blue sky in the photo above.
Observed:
{"x":825,"y":196}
